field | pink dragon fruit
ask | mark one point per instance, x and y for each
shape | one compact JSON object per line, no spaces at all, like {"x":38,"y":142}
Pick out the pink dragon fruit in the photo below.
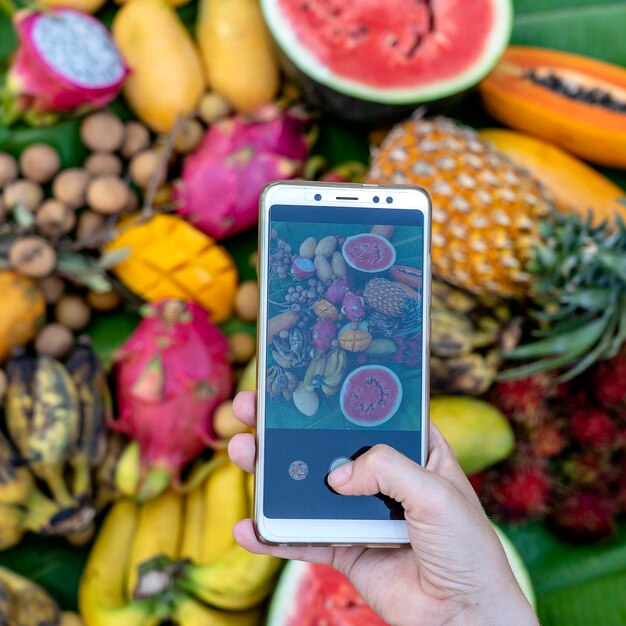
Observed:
{"x":221,"y":181}
{"x":66,"y":60}
{"x":323,"y":333}
{"x":171,"y":375}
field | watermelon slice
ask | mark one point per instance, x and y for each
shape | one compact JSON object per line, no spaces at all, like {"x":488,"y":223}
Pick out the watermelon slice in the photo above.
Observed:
{"x":369,"y":59}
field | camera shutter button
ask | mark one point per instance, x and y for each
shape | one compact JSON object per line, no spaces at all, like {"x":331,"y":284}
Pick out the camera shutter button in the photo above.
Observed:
{"x":338,"y":462}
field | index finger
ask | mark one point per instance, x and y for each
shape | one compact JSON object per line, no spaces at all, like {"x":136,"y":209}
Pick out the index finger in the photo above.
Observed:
{"x":244,"y":407}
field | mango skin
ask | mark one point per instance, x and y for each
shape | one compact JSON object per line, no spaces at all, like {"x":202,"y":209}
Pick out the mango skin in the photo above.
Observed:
{"x":86,"y":6}
{"x":166,"y":79}
{"x":479,"y":434}
{"x":237,"y":52}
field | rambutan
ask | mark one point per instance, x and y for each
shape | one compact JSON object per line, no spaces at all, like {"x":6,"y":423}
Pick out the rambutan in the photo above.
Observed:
{"x":593,"y":428}
{"x":477,"y":481}
{"x":518,"y":491}
{"x":583,"y":516}
{"x":609,"y":383}
{"x":590,"y":467}
{"x":547,"y":441}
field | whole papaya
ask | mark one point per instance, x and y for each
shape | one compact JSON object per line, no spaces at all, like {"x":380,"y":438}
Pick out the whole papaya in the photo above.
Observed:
{"x":237,"y":52}
{"x":166,"y":79}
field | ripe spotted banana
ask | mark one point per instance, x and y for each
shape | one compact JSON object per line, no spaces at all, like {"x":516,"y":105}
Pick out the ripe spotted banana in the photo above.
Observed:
{"x":30,"y":604}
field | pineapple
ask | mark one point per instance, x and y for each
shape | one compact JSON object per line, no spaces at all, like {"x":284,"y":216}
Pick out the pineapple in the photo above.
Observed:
{"x":486,"y":210}
{"x":392,"y":300}
{"x":495,"y":231}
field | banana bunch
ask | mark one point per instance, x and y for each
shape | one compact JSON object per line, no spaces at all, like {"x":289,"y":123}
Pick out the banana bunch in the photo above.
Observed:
{"x":55,"y":418}
{"x":174,"y":557}
{"x":24,"y":603}
{"x":468,"y":337}
{"x":327,"y":371}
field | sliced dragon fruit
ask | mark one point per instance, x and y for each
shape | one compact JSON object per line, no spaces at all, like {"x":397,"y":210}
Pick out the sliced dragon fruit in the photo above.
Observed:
{"x":66,"y":60}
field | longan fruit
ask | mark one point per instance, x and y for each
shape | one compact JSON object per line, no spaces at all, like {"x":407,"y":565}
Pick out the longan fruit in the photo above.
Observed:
{"x":247,"y":300}
{"x":26,"y":193}
{"x":40,"y":162}
{"x":54,"y":218}
{"x":189,"y":136}
{"x":103,"y":164}
{"x":55,"y":340}
{"x":107,"y":195}
{"x":89,"y":225}
{"x":102,"y":132}
{"x":106,"y":301}
{"x":8,"y":169}
{"x":52,"y":287}
{"x":70,"y":186}
{"x":213,"y":107}
{"x":136,"y":139}
{"x":242,"y":347}
{"x":144,"y":167}
{"x":33,"y":257}
{"x":72,"y":311}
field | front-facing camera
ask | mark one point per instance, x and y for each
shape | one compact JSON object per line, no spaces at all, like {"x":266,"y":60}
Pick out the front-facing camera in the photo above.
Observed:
{"x":389,"y":199}
{"x":376,"y":199}
{"x":318,"y":196}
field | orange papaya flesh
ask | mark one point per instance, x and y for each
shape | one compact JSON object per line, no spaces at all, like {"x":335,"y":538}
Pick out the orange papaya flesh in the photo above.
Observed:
{"x":574,"y":185}
{"x":573,"y":101}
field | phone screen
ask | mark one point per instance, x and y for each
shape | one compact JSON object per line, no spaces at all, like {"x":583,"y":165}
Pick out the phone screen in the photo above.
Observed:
{"x":344,"y":354}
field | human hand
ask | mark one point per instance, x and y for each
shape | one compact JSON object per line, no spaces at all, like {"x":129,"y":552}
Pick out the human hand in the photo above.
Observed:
{"x":454,"y":571}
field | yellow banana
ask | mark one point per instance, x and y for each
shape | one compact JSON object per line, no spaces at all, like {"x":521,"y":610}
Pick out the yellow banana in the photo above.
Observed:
{"x":190,"y":612}
{"x":102,"y":592}
{"x":16,"y":484}
{"x":69,"y":618}
{"x":106,"y":489}
{"x":225,"y":504}
{"x":128,"y":471}
{"x":11,"y":525}
{"x":6,"y":604}
{"x":238,"y":581}
{"x":193,"y":525}
{"x":158,"y":533}
{"x":445,"y":296}
{"x":31,"y":606}
{"x":20,"y":400}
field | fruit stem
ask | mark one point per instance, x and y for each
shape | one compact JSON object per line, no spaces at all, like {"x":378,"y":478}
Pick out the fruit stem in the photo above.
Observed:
{"x":6,"y":6}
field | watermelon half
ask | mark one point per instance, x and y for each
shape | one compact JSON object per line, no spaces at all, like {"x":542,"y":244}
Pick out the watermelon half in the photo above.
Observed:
{"x":309,"y":594}
{"x":372,"y":60}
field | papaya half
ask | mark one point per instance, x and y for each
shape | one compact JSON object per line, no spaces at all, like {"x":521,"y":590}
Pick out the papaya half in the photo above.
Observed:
{"x":576,"y":102}
{"x":574,"y":185}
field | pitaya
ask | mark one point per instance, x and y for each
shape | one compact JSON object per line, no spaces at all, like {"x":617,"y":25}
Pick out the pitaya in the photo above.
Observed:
{"x":66,"y":60}
{"x":171,"y":375}
{"x":221,"y":181}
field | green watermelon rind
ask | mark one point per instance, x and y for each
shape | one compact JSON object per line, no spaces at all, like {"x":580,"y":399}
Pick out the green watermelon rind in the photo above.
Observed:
{"x":346,"y":253}
{"x":306,"y":63}
{"x":346,"y":382}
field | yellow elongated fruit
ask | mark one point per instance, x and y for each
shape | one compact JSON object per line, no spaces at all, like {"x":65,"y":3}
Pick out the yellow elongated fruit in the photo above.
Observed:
{"x":102,"y":596}
{"x":237,"y":52}
{"x":166,"y":79}
{"x":86,"y":6}
{"x":158,"y":533}
{"x":226,"y":502}
{"x":11,"y":525}
{"x":128,"y":470}
{"x":190,"y":612}
{"x":31,"y":605}
{"x":193,"y":525}
{"x":69,"y":618}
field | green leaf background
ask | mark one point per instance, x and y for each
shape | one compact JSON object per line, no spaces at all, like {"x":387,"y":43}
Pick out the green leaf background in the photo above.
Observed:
{"x":576,"y":586}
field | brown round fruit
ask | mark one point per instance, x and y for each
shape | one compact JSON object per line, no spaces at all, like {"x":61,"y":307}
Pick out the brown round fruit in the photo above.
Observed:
{"x":189,"y":136}
{"x":70,"y":186}
{"x":73,"y":312}
{"x":33,"y":257}
{"x":247,"y":300}
{"x":242,"y":347}
{"x":8,"y":169}
{"x":40,"y":162}
{"x":102,"y":132}
{"x":144,"y":167}
{"x":55,"y":340}
{"x":52,"y":288}
{"x":107,"y":195}
{"x":136,"y":139}
{"x":90,"y":225}
{"x":55,"y":218}
{"x":163,"y":195}
{"x":107,"y":301}
{"x":225,"y":424}
{"x":26,"y":193}
{"x":133,"y":202}
{"x":213,"y":108}
{"x":103,"y":164}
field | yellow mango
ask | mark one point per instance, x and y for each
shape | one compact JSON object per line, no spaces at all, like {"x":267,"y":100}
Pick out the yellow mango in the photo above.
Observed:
{"x":86,"y":6}
{"x":166,"y":79}
{"x":237,"y":52}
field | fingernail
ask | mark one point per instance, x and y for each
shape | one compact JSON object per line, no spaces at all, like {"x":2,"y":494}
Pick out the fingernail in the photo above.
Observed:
{"x":341,"y":475}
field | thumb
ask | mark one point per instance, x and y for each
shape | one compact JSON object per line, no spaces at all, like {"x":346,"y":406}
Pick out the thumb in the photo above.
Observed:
{"x":385,"y":470}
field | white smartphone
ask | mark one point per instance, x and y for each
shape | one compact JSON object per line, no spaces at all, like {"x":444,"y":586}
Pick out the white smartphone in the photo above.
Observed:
{"x":343,"y":344}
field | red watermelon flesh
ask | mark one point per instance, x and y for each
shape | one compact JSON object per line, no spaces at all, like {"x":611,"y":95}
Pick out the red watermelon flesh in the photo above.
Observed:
{"x":405,"y":43}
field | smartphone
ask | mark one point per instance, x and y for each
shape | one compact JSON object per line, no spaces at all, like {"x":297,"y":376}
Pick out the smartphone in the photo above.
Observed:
{"x":343,"y":343}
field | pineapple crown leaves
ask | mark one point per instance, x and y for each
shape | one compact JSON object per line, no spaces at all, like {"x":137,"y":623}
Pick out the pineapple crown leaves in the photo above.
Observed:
{"x":580,"y":294}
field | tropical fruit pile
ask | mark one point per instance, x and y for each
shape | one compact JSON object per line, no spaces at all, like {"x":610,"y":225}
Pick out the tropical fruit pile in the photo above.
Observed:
{"x":135,"y":138}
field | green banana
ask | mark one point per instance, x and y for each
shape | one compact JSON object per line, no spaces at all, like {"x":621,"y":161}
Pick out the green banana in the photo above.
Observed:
{"x":31,"y":604}
{"x":94,"y":408}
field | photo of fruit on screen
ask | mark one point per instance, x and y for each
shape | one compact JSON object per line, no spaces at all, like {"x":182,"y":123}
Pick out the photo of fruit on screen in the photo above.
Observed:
{"x":345,"y":326}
